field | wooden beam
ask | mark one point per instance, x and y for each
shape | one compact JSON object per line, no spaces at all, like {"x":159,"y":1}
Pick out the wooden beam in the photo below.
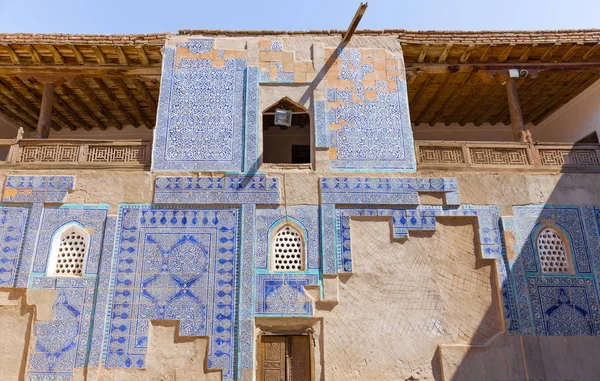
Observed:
{"x":82,"y":106}
{"x":571,"y":52}
{"x":505,"y":53}
{"x":35,"y":56}
{"x":563,"y":90}
{"x":16,"y":117}
{"x":19,"y":99}
{"x":467,"y":100}
{"x":417,"y":98}
{"x":486,"y":54}
{"x":143,"y":56}
{"x":100,"y":57}
{"x":465,"y":56}
{"x":440,"y":90}
{"x":116,"y":102}
{"x":527,"y":83}
{"x":451,"y":98}
{"x":436,"y":68}
{"x":445,"y":53}
{"x":516,"y":114}
{"x":355,"y":21}
{"x":590,"y":53}
{"x":570,"y":95}
{"x":548,"y":54}
{"x":78,"y":55}
{"x":469,"y":116}
{"x":485,"y":116}
{"x":64,"y":105}
{"x":143,"y":90}
{"x":423,"y":53}
{"x":122,"y":56}
{"x":45,"y":119}
{"x":14,"y":57}
{"x":56,"y":55}
{"x":141,"y":114}
{"x":80,"y":82}
{"x":108,"y":71}
{"x":527,"y":53}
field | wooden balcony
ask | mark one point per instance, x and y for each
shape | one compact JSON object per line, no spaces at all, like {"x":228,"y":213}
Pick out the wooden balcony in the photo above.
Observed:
{"x":507,"y":156}
{"x":76,"y":153}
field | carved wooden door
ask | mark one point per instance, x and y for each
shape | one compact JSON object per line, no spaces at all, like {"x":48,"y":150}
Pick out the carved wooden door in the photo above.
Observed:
{"x":284,"y":358}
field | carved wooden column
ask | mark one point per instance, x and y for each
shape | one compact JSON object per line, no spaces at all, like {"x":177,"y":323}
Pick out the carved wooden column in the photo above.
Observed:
{"x":516,"y":115}
{"x":44,"y":121}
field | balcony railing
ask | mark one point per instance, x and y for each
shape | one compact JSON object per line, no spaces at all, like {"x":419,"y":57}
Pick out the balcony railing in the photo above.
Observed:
{"x":75,"y":153}
{"x":508,"y":156}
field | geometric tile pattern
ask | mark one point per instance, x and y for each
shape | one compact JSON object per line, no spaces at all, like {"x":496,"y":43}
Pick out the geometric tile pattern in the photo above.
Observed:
{"x":321,"y":128}
{"x":251,"y":123}
{"x":231,"y":189}
{"x":29,"y":189}
{"x":174,"y":264}
{"x":369,"y":126}
{"x":283,"y":294}
{"x":12,"y":231}
{"x":200,"y":118}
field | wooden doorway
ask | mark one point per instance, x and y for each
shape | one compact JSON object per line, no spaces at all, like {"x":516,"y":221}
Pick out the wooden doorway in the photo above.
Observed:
{"x":284,"y":358}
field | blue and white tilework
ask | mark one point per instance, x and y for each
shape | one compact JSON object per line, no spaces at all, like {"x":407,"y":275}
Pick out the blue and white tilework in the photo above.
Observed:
{"x":174,"y":264}
{"x":12,"y":231}
{"x":251,"y":131}
{"x":321,"y":127}
{"x":200,"y":119}
{"x":268,"y":220}
{"x":231,"y":189}
{"x":34,"y":189}
{"x":283,"y":294}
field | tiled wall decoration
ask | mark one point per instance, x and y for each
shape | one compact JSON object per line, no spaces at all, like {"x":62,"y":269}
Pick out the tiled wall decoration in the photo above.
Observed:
{"x":31,"y":189}
{"x":321,"y":126}
{"x":12,"y":231}
{"x":279,"y":65}
{"x":369,"y":125}
{"x":200,"y":119}
{"x":230,"y":189}
{"x":283,"y":294}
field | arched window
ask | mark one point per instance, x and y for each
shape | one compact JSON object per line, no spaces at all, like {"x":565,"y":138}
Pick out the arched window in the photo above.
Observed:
{"x":287,"y":249}
{"x":70,"y":245}
{"x":552,"y":252}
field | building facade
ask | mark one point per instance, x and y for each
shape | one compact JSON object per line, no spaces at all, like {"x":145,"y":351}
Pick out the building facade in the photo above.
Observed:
{"x":273,"y":206}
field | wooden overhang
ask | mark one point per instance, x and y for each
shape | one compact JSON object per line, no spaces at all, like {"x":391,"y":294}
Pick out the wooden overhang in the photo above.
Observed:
{"x":458,"y":77}
{"x":99,"y":81}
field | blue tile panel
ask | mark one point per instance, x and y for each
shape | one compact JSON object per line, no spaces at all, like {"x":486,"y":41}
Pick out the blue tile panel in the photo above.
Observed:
{"x":200,"y":121}
{"x":12,"y":231}
{"x":31,"y":189}
{"x":280,"y":76}
{"x":245,"y":332}
{"x":251,"y":130}
{"x":369,"y":125}
{"x":321,"y":127}
{"x":395,"y":191}
{"x":174,"y":264}
{"x":283,"y":294}
{"x":231,"y":189}
{"x":268,"y":220}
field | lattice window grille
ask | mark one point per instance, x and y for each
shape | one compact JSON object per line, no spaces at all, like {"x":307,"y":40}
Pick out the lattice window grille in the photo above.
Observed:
{"x":287,"y":250}
{"x":552,"y":252}
{"x":69,"y":251}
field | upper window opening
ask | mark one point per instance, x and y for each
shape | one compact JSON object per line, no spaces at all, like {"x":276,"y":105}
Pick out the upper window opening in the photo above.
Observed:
{"x":552,"y":252}
{"x":286,"y":133}
{"x":69,"y":250}
{"x":287,"y":250}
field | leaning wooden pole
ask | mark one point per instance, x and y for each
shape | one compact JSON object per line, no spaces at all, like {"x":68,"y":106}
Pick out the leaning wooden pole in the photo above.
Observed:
{"x":516,"y":114}
{"x":44,"y":121}
{"x":355,"y":20}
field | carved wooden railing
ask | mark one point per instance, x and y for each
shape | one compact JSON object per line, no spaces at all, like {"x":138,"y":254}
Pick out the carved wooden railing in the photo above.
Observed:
{"x":501,"y":155}
{"x":73,"y":153}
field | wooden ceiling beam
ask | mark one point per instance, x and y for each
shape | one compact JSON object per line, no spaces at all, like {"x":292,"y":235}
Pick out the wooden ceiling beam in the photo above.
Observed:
{"x":80,"y":82}
{"x":62,"y":104}
{"x":505,"y":53}
{"x":143,"y":90}
{"x":445,"y":53}
{"x":465,"y":56}
{"x":485,"y":116}
{"x":107,"y":71}
{"x":527,"y":53}
{"x":440,"y":90}
{"x":486,"y":54}
{"x":468,"y":99}
{"x":434,"y":68}
{"x":100,"y":57}
{"x":143,"y":56}
{"x":69,"y":93}
{"x":116,"y":102}
{"x":571,"y":94}
{"x":590,"y":53}
{"x":417,"y":98}
{"x":550,"y":52}
{"x":122,"y":56}
{"x":125,"y":90}
{"x":56,"y":55}
{"x":16,"y":117}
{"x":571,"y":52}
{"x":78,"y":55}
{"x":423,"y":53}
{"x":14,"y":57}
{"x":16,"y":109}
{"x":57,"y":113}
{"x":450,"y":99}
{"x":469,"y":116}
{"x":19,"y":100}
{"x":35,"y":56}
